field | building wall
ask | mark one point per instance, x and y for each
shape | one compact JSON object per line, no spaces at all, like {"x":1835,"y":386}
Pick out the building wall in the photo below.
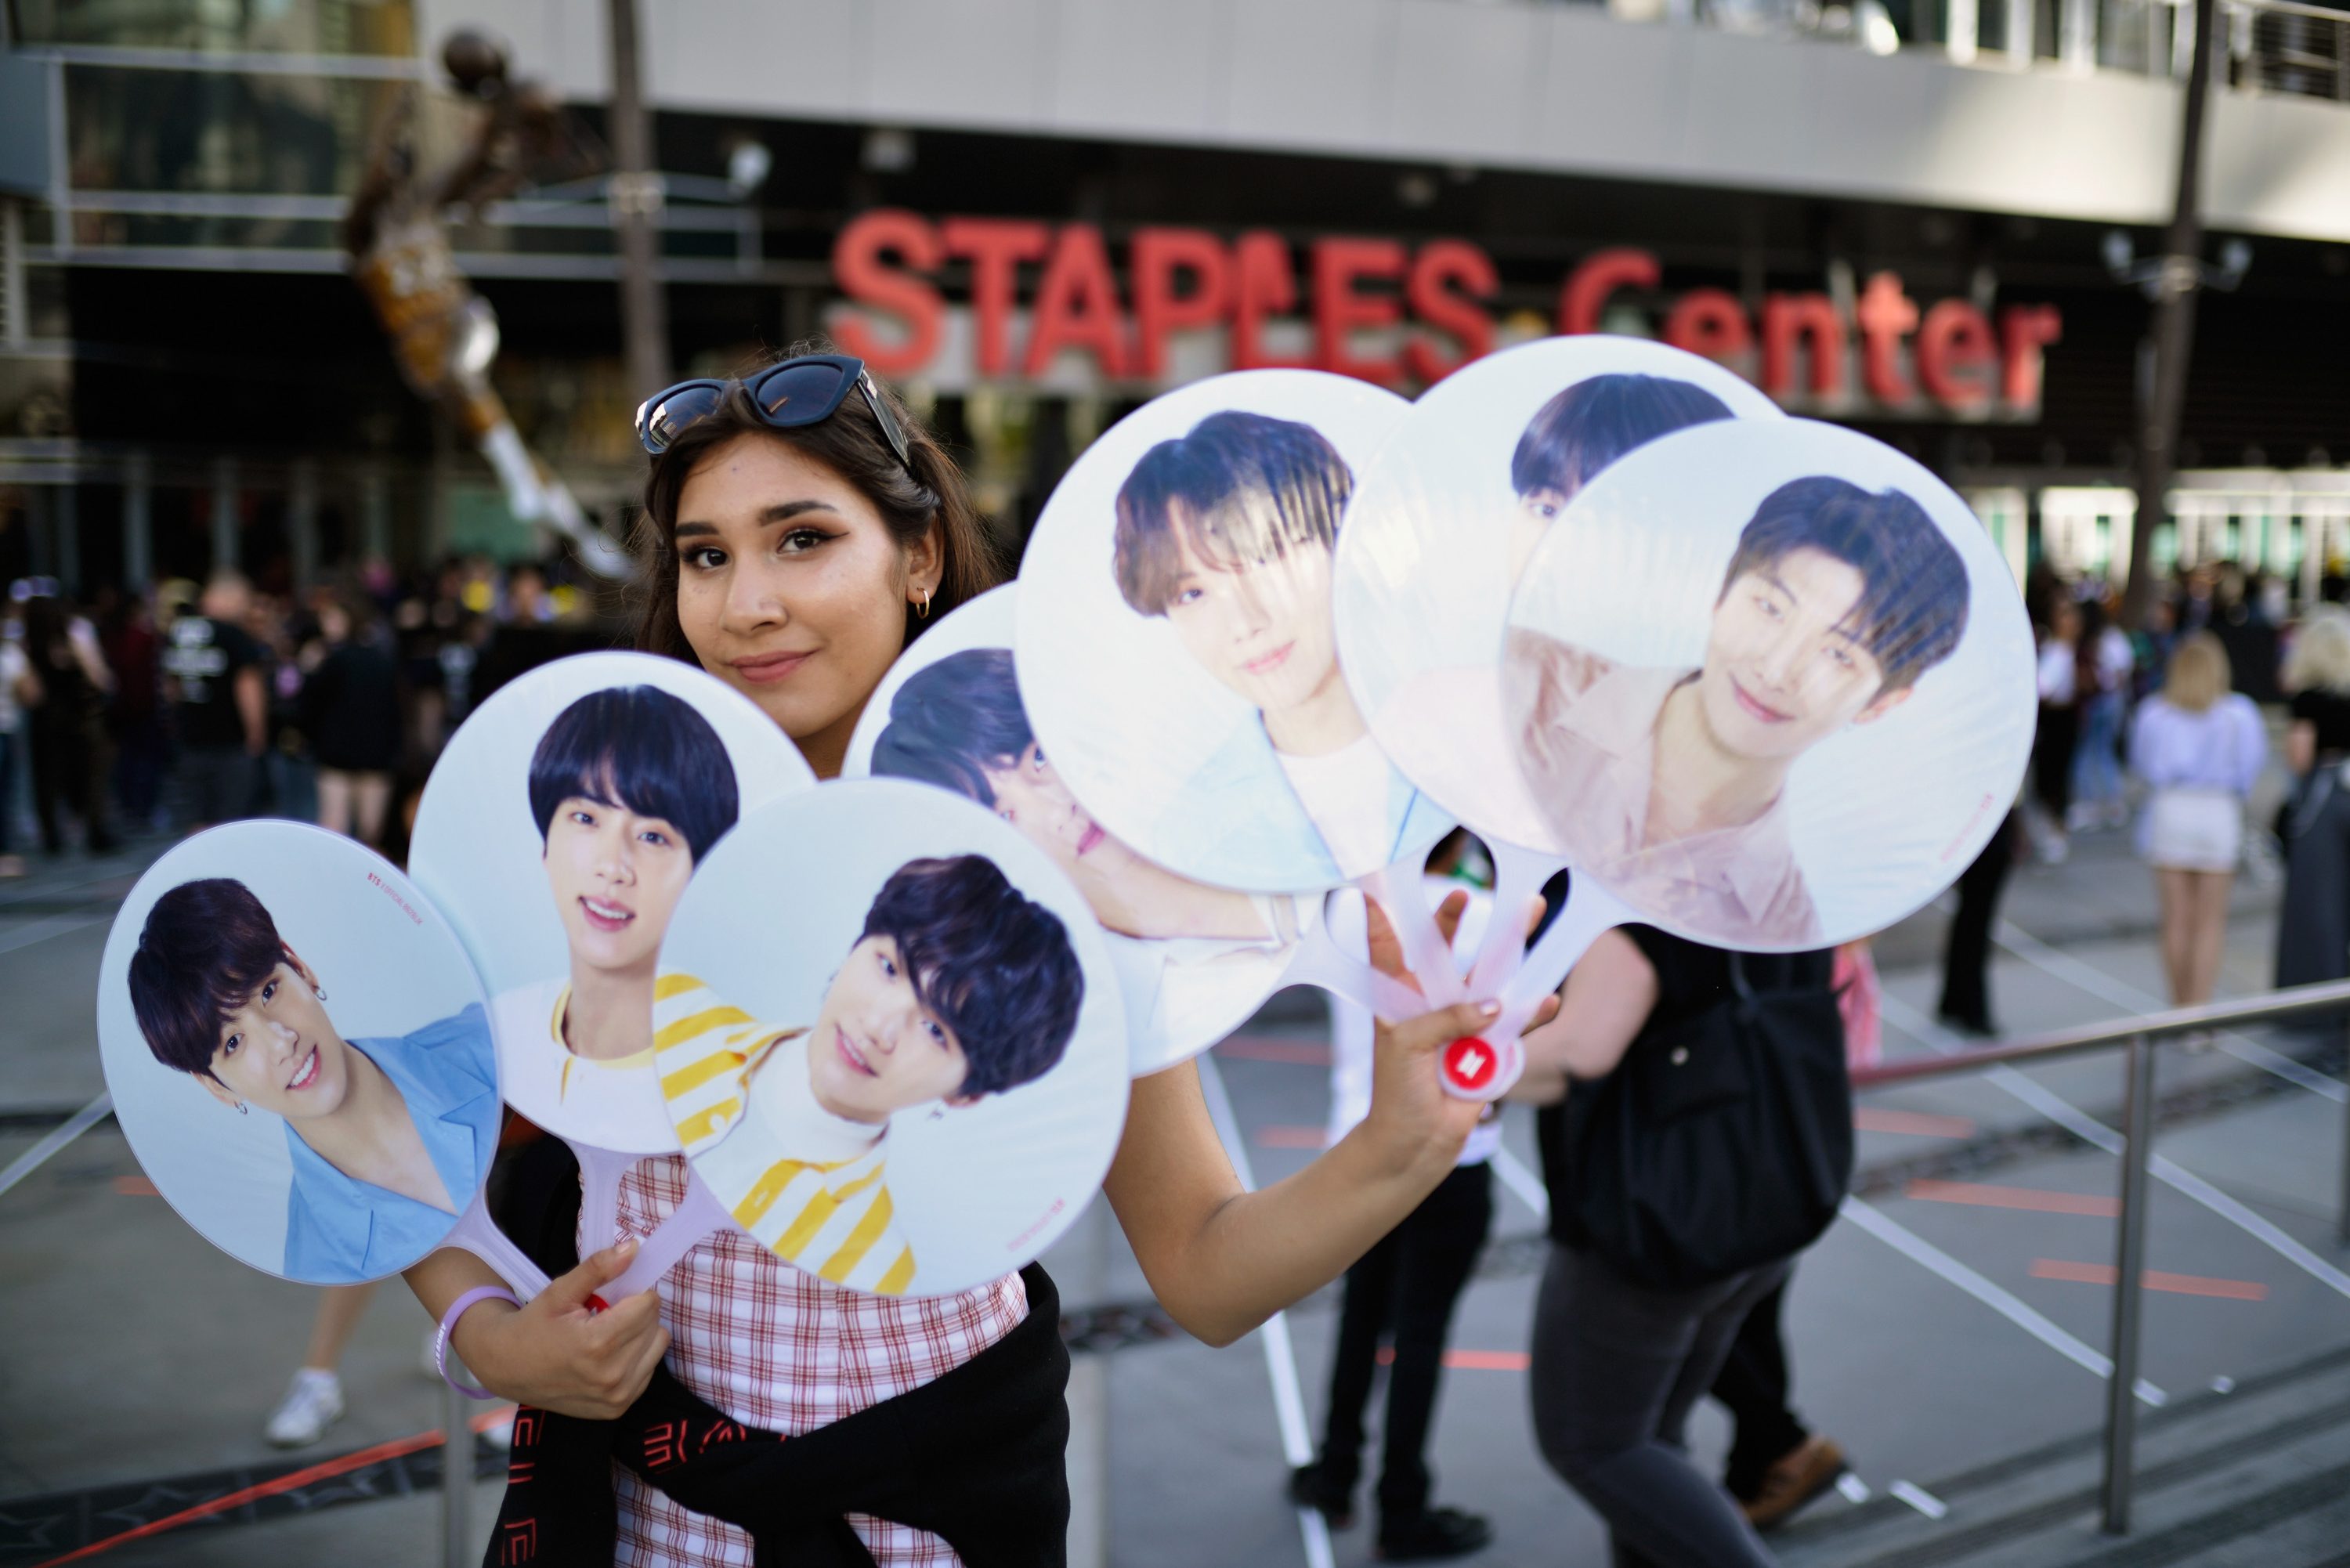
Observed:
{"x":1562,"y":89}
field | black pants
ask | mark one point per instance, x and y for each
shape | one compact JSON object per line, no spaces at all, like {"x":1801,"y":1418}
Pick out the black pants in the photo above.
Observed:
{"x":1616,"y":1369}
{"x":1752,"y":1385}
{"x":1409,"y":1284}
{"x":1966,"y":993}
{"x":2053,"y":746}
{"x":66,"y":773}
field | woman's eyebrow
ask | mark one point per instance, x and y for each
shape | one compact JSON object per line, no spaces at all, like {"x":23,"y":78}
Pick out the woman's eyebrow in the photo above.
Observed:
{"x":784,"y":512}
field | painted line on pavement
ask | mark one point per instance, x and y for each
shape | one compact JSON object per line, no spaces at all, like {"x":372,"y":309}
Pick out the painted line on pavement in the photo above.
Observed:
{"x":2089,"y":978}
{"x":1524,"y":1184}
{"x":2031,"y":1199}
{"x":2088,"y":1129}
{"x":32,"y":1159}
{"x":42,"y":930}
{"x":2080,"y":1273}
{"x":1280,"y":1355}
{"x":1924,"y":1253}
{"x":1919,"y":1498}
{"x":1918,"y":1123}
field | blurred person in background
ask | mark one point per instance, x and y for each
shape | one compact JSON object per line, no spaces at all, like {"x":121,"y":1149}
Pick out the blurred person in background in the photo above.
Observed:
{"x":2053,"y":744}
{"x":1404,"y":1289}
{"x":290,"y":648}
{"x":20,"y":690}
{"x":1966,"y":951}
{"x":2246,"y":634}
{"x":351,"y":711}
{"x":2199,"y":748}
{"x":2104,"y":661}
{"x":65,"y":726}
{"x":524,"y":636}
{"x":1619,"y":1362}
{"x":126,"y":631}
{"x":220,"y":703}
{"x":2314,"y":921}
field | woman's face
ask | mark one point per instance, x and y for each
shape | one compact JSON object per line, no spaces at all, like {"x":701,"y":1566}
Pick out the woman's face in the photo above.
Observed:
{"x":1783,"y":672}
{"x":279,"y":1050}
{"x":875,"y":1050}
{"x":616,"y":876}
{"x":1031,"y":797}
{"x":1261,"y":628}
{"x":790,"y":587}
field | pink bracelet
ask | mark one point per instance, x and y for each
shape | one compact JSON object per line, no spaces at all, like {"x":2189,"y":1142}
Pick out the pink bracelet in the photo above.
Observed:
{"x":449,"y":1322}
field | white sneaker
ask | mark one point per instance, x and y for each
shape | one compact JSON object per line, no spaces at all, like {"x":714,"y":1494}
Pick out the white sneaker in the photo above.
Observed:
{"x":311,"y":1405}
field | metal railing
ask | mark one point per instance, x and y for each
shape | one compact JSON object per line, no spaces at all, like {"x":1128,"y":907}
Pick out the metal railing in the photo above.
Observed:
{"x":2141,"y":1036}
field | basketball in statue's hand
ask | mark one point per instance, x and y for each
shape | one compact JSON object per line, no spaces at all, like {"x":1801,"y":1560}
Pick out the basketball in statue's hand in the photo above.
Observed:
{"x":475,"y":61}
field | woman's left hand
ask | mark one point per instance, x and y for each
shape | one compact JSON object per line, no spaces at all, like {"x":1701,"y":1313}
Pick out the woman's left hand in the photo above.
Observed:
{"x":1417,"y":1124}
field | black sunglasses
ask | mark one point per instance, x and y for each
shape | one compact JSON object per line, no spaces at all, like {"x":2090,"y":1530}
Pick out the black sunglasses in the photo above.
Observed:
{"x":804,"y":392}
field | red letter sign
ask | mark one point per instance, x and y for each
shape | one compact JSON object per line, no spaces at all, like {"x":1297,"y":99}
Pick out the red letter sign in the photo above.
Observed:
{"x":2025,"y":330}
{"x":995,"y":248}
{"x":1155,"y":258}
{"x":857,"y":263}
{"x":1886,"y":318}
{"x":1709,"y":321}
{"x":1588,"y":288}
{"x":1340,"y":312}
{"x":1077,"y":305}
{"x":1787,"y":318}
{"x":1440,"y":263}
{"x":1954,"y":347}
{"x":1265,"y":287}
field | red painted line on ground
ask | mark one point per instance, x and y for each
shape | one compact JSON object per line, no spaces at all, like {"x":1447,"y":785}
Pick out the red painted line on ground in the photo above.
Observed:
{"x":1297,"y":1052}
{"x":319,"y":1473}
{"x":1292,"y":1137}
{"x":1472,"y":1360}
{"x":135,"y":1187}
{"x":2153,"y":1279}
{"x":1875,"y":1118}
{"x":326,"y":1470}
{"x":2029,"y":1198}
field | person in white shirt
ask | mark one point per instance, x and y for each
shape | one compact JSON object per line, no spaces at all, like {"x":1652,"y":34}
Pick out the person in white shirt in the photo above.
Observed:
{"x":1405,"y":1286}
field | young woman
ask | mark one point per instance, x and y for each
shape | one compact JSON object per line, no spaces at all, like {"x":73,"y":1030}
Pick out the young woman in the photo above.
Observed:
{"x":800,"y":529}
{"x":2199,"y":746}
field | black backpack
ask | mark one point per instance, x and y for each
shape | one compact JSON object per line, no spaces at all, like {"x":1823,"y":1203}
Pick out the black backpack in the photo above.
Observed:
{"x":1722,"y":1141}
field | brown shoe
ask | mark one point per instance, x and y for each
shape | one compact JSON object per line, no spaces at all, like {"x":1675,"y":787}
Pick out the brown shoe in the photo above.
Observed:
{"x":1799,"y":1476}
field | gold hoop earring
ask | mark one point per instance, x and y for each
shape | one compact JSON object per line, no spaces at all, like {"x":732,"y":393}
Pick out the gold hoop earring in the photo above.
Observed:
{"x":923,"y":605}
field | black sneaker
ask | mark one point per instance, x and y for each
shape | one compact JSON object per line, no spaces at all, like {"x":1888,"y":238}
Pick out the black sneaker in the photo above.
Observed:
{"x":1309,"y":1489}
{"x":1433,"y":1533}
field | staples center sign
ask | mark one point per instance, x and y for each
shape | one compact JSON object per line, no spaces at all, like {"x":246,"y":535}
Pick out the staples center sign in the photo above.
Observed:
{"x":1193,"y":303}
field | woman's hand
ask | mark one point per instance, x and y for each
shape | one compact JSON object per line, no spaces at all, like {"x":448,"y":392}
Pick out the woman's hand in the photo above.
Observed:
{"x":1416,"y":1124}
{"x":557,"y":1355}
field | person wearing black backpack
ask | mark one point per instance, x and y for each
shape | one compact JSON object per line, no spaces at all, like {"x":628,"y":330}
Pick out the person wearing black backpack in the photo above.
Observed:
{"x":1695,"y":1135}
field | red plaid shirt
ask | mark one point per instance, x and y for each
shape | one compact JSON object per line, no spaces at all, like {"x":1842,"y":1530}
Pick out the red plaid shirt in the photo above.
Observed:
{"x":783,"y":1350}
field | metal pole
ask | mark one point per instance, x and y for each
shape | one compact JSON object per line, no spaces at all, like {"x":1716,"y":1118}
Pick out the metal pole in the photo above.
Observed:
{"x":138,"y":533}
{"x":2342,"y":1225}
{"x":636,"y":200}
{"x":458,"y":1547}
{"x":228,"y":537}
{"x":2174,"y":328}
{"x":2121,"y":1392}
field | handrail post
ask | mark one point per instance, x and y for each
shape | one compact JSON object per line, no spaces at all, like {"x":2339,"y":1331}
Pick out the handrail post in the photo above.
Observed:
{"x":458,"y":1547}
{"x":2341,"y":1222}
{"x":2121,"y":1391}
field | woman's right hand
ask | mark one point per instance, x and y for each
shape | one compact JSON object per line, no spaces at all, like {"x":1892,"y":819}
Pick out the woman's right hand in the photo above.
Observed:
{"x":555,"y":1354}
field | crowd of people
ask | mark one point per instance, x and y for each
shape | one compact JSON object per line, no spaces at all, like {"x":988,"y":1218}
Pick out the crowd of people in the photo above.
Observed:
{"x":186,"y":705}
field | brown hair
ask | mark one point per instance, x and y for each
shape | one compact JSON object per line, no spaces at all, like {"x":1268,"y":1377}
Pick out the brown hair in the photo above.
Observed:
{"x":910,"y":496}
{"x":2196,"y":675}
{"x":1242,"y":487}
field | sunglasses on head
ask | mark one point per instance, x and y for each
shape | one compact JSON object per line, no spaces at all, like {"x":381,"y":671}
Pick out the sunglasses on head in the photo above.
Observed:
{"x":804,"y":392}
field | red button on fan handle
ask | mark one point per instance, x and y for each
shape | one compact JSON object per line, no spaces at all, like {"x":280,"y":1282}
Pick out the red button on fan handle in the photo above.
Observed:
{"x":1470,"y":1065}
